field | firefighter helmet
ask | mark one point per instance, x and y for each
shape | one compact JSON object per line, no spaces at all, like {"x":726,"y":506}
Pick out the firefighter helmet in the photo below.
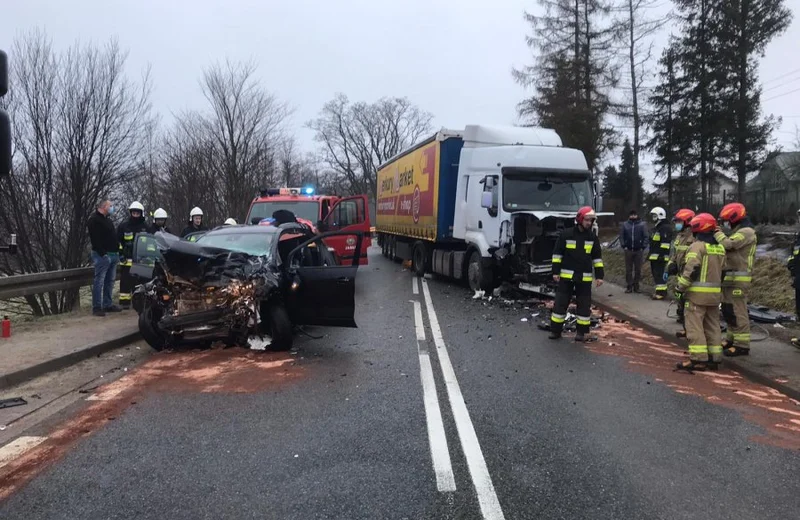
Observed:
{"x":160,"y":214}
{"x":658,"y":213}
{"x":230,"y":222}
{"x":733,"y":213}
{"x":196,"y":212}
{"x":136,"y":206}
{"x":703,"y":223}
{"x":584,"y":213}
{"x":683,"y":215}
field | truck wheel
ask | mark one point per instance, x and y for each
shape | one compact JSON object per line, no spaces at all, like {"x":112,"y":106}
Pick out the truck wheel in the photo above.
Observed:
{"x":419,"y":258}
{"x":480,"y":278}
{"x":275,"y":322}
{"x":393,"y":248}
{"x":384,"y":246}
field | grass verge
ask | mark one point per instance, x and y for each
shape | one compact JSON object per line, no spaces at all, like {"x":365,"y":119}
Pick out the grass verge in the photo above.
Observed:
{"x":772,"y":285}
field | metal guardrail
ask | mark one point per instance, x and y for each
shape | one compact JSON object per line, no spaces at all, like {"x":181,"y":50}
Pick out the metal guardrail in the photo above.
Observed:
{"x":39,"y":283}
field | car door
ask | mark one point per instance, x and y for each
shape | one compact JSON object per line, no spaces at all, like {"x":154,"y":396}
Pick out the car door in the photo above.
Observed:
{"x":348,"y":214}
{"x":145,"y":255}
{"x":319,"y":291}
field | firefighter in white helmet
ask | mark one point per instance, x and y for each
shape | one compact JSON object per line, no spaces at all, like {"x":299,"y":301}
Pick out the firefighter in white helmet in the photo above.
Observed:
{"x":159,"y":221}
{"x":195,"y":222}
{"x":126,"y":233}
{"x":660,"y":242}
{"x":230,"y":222}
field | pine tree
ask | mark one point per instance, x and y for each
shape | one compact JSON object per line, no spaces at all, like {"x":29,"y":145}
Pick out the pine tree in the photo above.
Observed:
{"x":572,"y":74}
{"x":746,"y":27}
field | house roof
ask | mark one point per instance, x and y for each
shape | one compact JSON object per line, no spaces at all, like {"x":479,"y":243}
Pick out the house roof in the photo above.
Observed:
{"x":787,"y":163}
{"x":690,"y":179}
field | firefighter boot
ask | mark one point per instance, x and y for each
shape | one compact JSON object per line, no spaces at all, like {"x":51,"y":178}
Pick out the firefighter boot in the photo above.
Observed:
{"x":692,"y":366}
{"x":554,"y":334}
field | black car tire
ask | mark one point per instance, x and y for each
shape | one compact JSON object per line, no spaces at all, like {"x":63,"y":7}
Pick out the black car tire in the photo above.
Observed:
{"x":148,"y":328}
{"x":276,"y":323}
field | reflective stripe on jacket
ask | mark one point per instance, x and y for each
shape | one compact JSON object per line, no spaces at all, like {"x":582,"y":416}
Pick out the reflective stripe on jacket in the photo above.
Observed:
{"x":660,"y":242}
{"x":680,"y":246}
{"x":740,"y":254}
{"x":701,"y":277}
{"x":577,"y":256}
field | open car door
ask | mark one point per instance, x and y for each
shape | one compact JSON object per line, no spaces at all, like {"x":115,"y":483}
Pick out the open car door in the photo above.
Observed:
{"x":145,"y":254}
{"x":320,"y":291}
{"x":349,"y":214}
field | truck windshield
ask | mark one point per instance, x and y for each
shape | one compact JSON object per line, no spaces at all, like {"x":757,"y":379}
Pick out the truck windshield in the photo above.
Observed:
{"x":308,"y":210}
{"x":539,"y":192}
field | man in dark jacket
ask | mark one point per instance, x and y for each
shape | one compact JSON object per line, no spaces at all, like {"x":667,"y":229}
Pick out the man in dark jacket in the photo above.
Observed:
{"x":195,"y":225}
{"x":126,"y":233}
{"x":633,"y":238}
{"x":577,"y":262}
{"x":105,"y":257}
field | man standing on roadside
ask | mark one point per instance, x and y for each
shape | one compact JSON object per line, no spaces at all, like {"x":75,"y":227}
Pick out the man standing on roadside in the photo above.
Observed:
{"x":633,"y":238}
{"x":105,"y":257}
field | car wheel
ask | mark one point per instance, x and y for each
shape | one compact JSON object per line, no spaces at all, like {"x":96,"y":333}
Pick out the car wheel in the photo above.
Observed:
{"x":148,"y":328}
{"x":479,"y":277}
{"x":275,"y":322}
{"x":419,"y":258}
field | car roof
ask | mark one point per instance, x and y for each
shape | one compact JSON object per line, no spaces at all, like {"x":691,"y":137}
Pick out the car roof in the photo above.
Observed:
{"x":244,"y":229}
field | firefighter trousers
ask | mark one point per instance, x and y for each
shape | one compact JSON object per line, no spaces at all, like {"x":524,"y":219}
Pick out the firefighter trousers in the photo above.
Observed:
{"x":681,"y":303}
{"x":583,"y":302}
{"x":734,"y":310}
{"x":126,"y":285}
{"x":657,"y":267}
{"x":703,"y":332}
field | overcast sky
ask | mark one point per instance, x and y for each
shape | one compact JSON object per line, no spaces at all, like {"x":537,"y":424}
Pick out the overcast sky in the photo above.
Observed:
{"x":452,"y":58}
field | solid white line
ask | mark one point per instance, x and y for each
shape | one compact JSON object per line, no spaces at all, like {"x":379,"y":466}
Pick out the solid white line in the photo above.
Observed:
{"x":440,"y":453}
{"x":414,"y":286}
{"x":487,"y":497}
{"x":418,"y":321}
{"x":17,"y":447}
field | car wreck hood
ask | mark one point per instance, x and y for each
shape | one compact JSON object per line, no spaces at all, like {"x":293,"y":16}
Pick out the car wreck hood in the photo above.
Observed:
{"x":212,"y":266}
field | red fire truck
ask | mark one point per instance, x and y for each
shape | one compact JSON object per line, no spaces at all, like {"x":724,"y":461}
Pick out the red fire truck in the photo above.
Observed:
{"x":327,"y":212}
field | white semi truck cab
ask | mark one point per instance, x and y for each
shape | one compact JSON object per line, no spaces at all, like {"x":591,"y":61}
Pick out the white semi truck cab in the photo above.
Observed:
{"x":504,"y":194}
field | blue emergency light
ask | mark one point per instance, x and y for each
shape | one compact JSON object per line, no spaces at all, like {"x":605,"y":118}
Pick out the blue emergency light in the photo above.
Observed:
{"x":309,"y":190}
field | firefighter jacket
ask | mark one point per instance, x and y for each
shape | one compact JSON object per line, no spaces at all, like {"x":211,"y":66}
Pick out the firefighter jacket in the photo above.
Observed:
{"x":577,"y":255}
{"x":701,"y":277}
{"x":660,"y":241}
{"x":680,"y":246}
{"x":740,"y":253}
{"x":153,"y":228}
{"x":126,"y":232}
{"x":792,"y":263}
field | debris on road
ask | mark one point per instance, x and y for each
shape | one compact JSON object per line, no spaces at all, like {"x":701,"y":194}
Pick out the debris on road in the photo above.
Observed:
{"x":11,"y":402}
{"x":259,"y":342}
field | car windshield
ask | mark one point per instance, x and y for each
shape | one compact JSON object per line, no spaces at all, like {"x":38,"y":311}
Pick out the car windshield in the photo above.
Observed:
{"x":308,"y":210}
{"x":256,"y":244}
{"x":546,"y":192}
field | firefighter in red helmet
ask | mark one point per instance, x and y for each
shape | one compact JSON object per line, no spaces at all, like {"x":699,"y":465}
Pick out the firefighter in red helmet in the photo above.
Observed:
{"x":577,"y":261}
{"x":740,"y":249}
{"x":701,"y":282}
{"x":677,"y":258}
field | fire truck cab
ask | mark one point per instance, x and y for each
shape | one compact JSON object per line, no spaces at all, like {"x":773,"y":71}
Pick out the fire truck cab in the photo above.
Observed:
{"x":327,"y":212}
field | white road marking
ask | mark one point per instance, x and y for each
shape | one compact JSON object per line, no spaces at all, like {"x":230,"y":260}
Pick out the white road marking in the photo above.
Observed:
{"x":18,"y":447}
{"x":414,"y":285}
{"x":440,"y":453}
{"x":487,"y":496}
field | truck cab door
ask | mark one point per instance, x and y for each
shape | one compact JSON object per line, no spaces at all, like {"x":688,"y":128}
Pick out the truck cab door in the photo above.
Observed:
{"x":145,"y":255}
{"x":319,"y":291}
{"x":349,"y":214}
{"x":488,"y":222}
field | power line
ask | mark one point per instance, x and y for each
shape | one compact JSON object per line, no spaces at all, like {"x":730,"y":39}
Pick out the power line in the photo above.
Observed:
{"x":780,"y":85}
{"x":782,"y":76}
{"x":781,"y":95}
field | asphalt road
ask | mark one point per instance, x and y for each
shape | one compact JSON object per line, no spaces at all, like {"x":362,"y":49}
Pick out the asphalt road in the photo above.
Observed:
{"x":436,"y":407}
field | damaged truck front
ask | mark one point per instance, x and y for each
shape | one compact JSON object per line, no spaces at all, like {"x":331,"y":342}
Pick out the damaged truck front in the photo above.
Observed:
{"x":484,"y":205}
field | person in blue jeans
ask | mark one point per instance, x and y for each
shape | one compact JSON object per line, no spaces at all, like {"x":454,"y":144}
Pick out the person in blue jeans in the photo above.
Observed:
{"x":105,"y":257}
{"x":633,"y":238}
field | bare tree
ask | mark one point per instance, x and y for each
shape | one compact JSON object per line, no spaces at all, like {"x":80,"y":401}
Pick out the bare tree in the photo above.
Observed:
{"x":79,"y":129}
{"x":246,"y":126}
{"x":357,"y":138}
{"x":637,"y":26}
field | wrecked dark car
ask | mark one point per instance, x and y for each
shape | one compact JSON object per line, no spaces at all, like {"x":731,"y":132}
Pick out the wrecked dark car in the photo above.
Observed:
{"x":243,"y":285}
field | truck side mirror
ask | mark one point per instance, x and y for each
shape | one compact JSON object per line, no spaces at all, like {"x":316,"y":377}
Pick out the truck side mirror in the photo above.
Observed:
{"x":487,"y":200}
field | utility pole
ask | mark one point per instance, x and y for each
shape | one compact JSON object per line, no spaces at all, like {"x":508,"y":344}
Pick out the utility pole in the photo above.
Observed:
{"x":5,"y":141}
